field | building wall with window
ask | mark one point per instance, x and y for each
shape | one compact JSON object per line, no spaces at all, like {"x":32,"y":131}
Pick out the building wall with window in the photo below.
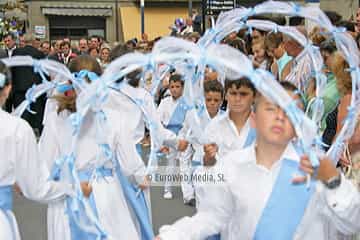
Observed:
{"x":86,"y":17}
{"x":74,"y":19}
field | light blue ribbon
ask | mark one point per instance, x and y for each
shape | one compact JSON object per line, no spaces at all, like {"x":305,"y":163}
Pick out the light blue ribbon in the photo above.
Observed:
{"x":85,"y":73}
{"x":64,"y":88}
{"x":30,"y":98}
{"x":38,"y":68}
{"x":2,"y":80}
{"x":76,"y":120}
{"x":296,"y":8}
{"x":351,"y":114}
{"x":6,"y":204}
{"x":295,"y":115}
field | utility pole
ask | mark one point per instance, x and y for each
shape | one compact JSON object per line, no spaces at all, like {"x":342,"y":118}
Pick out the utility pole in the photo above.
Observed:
{"x":190,"y":8}
{"x":142,"y":9}
{"x":117,"y":20}
{"x":203,"y":14}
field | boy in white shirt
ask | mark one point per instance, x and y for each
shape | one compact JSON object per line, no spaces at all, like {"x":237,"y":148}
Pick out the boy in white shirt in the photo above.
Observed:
{"x":261,"y":199}
{"x":172,"y":112}
{"x":192,"y":157}
{"x":231,"y":130}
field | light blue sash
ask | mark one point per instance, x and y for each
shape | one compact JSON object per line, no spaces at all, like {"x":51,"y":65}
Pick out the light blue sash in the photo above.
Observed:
{"x":177,"y":118}
{"x":6,"y":204}
{"x":286,"y":206}
{"x":85,"y":176}
{"x":250,"y":137}
{"x":6,"y":198}
{"x":75,"y":230}
{"x":281,"y":63}
{"x":139,"y":149}
{"x":137,"y":203}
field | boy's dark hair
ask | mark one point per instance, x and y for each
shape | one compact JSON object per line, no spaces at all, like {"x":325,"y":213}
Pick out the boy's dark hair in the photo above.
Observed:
{"x":287,"y":86}
{"x":176,"y":78}
{"x":273,"y":40}
{"x":242,"y":82}
{"x":214,"y":86}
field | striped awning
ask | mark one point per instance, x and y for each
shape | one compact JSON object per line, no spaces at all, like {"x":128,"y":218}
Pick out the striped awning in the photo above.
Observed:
{"x":103,"y":11}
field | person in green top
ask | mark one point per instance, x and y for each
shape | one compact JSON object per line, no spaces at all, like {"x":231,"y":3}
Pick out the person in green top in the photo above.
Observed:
{"x":331,"y":94}
{"x":275,"y":48}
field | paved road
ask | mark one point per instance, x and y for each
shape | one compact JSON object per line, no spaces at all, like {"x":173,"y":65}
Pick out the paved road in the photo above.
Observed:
{"x":32,"y":216}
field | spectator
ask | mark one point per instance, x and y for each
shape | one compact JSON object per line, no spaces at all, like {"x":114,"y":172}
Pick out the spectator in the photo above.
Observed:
{"x":45,"y":48}
{"x":21,"y":41}
{"x":67,"y":53}
{"x":105,"y":55}
{"x":188,"y":26}
{"x":357,"y":21}
{"x":83,"y":46}
{"x":94,"y":42}
{"x":23,"y":78}
{"x":94,"y":52}
{"x":132,"y":43}
{"x":196,"y":19}
{"x":36,"y":43}
{"x":10,"y":44}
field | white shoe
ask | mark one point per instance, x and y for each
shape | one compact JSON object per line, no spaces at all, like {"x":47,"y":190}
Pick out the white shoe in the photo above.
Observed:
{"x":168,"y":195}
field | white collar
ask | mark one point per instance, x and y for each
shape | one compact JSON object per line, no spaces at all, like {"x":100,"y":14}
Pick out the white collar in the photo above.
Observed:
{"x":289,"y":153}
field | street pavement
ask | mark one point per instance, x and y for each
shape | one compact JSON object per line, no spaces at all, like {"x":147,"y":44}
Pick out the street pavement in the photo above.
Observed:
{"x":31,"y":216}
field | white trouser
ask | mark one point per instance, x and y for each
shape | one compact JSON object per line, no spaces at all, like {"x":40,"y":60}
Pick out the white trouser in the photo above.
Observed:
{"x":186,"y":171}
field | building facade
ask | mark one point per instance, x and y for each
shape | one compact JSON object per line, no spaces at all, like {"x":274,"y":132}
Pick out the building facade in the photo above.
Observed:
{"x":119,"y":20}
{"x":114,"y":20}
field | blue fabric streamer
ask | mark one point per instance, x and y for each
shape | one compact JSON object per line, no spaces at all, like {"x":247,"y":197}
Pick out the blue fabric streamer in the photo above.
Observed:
{"x":30,"y":98}
{"x":64,"y":87}
{"x":2,"y":80}
{"x":76,"y":120}
{"x":38,"y":68}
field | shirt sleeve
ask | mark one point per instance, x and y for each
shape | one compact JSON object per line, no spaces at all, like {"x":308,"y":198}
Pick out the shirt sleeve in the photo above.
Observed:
{"x":156,"y":116}
{"x":342,"y":206}
{"x":32,"y":174}
{"x":129,"y":159}
{"x":211,"y":218}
